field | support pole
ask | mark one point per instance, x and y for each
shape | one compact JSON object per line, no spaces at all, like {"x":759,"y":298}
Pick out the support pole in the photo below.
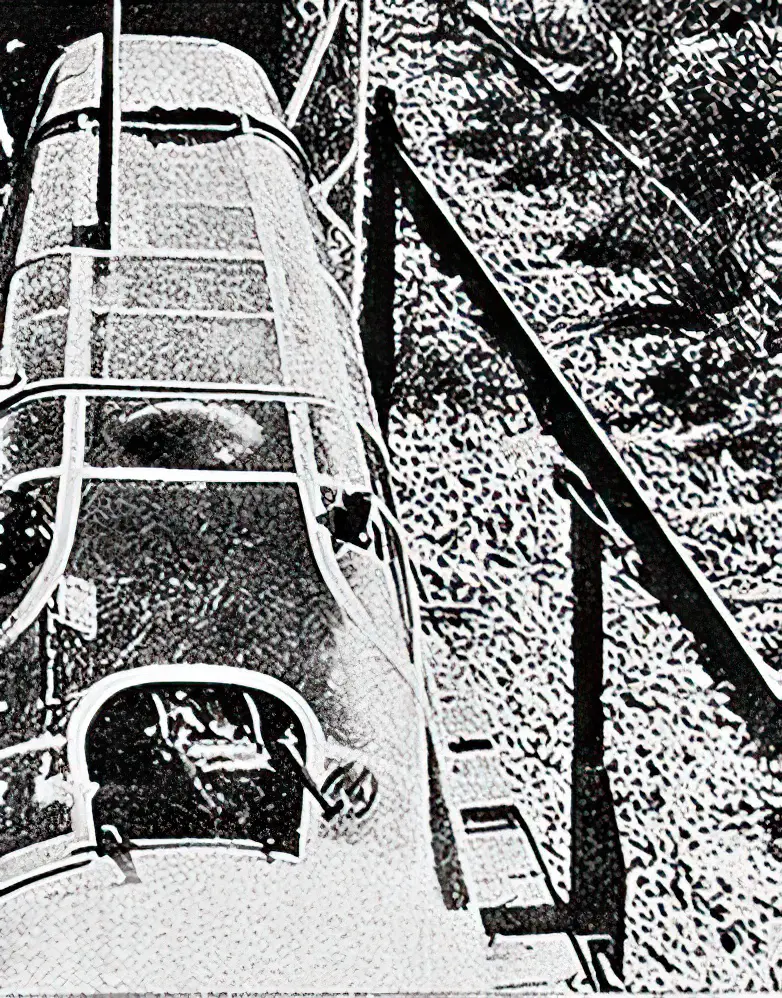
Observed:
{"x":597,"y":874}
{"x":377,"y":312}
{"x":106,"y":129}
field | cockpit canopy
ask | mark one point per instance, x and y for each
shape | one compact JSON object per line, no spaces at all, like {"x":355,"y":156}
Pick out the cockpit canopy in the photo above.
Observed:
{"x":159,"y":72}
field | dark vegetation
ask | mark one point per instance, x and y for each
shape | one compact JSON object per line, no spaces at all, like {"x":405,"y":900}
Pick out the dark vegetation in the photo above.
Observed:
{"x":694,"y":90}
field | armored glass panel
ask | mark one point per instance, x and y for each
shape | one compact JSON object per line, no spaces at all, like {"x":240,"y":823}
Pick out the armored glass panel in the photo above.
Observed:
{"x":193,"y":226}
{"x":76,"y":84}
{"x":30,"y":437}
{"x":202,"y":572}
{"x":26,"y":530}
{"x":170,"y":165}
{"x":63,"y":194}
{"x":188,"y":433}
{"x":308,"y":327}
{"x":183,"y":190}
{"x":191,"y":73}
{"x":30,"y":440}
{"x":184,"y":285}
{"x":41,"y":286}
{"x":35,"y":347}
{"x":187,"y":348}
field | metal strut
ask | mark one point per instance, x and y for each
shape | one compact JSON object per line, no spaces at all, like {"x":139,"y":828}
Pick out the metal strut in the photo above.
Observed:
{"x":108,"y":135}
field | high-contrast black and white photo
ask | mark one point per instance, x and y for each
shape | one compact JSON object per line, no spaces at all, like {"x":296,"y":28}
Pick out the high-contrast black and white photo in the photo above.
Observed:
{"x":390,"y":497}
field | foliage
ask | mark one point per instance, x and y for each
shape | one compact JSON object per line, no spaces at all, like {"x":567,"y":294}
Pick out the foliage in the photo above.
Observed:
{"x":692,"y":91}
